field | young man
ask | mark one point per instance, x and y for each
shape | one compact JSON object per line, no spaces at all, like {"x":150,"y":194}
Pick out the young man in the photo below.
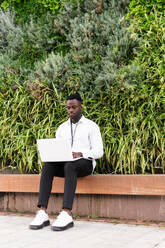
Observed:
{"x":86,"y":142}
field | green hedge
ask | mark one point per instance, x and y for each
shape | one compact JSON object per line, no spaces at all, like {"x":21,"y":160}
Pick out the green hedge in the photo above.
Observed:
{"x":131,"y":122}
{"x":148,"y":22}
{"x":117,"y":64}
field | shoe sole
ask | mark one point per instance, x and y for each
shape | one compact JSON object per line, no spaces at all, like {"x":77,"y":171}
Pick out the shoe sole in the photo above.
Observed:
{"x":62,"y":228}
{"x":36,"y":227}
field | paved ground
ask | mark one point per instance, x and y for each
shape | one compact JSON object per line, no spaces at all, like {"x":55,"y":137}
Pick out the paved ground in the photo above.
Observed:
{"x":14,"y":233}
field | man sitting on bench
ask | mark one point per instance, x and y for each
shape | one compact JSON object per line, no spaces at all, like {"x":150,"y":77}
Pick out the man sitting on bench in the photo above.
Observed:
{"x":86,"y":142}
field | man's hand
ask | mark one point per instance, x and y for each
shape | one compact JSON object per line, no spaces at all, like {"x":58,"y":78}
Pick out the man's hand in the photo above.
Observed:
{"x":77,"y":154}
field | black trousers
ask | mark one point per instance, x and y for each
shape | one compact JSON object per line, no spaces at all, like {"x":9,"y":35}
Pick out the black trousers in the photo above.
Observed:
{"x":70,"y":171}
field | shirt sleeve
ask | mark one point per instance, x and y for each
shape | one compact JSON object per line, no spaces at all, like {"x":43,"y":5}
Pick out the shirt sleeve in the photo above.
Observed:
{"x":96,"y":142}
{"x":58,"y":133}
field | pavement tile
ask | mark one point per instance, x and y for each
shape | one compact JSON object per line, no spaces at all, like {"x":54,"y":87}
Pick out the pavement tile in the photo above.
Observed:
{"x":86,"y":234}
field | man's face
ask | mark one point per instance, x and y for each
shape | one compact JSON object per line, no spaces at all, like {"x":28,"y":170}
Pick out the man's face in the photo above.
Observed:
{"x":74,"y":109}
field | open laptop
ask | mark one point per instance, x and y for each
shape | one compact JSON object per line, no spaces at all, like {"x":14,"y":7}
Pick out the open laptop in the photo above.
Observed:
{"x":54,"y":150}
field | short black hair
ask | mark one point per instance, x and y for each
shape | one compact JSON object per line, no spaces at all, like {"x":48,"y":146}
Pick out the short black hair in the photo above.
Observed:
{"x":75,"y":96}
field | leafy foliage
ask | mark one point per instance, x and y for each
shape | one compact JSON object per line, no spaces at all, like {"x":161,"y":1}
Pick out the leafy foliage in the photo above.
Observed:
{"x":88,"y":46}
{"x":23,"y":119}
{"x":25,"y":9}
{"x":148,"y":22}
{"x":53,"y":5}
{"x":99,"y":43}
{"x":132,"y":127}
{"x":21,"y":47}
{"x":141,"y":10}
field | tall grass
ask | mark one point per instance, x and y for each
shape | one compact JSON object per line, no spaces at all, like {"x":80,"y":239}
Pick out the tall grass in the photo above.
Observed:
{"x":131,"y":123}
{"x":23,"y":120}
{"x":133,"y":129}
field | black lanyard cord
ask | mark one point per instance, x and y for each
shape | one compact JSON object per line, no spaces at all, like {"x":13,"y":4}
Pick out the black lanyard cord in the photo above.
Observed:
{"x":72,"y":134}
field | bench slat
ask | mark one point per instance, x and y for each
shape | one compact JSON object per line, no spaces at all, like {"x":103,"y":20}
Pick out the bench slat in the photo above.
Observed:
{"x":95,"y":184}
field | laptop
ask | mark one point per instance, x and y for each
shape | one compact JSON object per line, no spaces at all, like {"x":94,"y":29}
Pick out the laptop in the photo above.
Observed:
{"x":54,"y":150}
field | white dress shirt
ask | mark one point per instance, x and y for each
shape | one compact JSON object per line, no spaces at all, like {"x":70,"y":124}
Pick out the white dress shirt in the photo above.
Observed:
{"x":86,"y":138}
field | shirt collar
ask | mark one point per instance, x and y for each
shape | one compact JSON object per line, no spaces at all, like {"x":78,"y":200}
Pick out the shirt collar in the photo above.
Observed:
{"x":82,"y":119}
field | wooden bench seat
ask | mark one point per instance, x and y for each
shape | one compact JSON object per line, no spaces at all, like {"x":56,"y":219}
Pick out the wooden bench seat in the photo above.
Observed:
{"x":95,"y":184}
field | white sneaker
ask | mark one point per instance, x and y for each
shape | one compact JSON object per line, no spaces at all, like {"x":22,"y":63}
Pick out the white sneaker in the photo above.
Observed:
{"x":41,"y":219}
{"x":63,"y":222}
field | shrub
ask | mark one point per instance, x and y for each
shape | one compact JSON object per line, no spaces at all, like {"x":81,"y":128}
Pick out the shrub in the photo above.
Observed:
{"x":53,"y":5}
{"x":148,"y":22}
{"x":25,"y":10}
{"x":99,"y":47}
{"x":22,"y":46}
{"x":142,"y":11}
{"x":11,"y":36}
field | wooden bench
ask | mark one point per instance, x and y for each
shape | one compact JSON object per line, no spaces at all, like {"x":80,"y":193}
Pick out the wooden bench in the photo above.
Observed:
{"x":95,"y":184}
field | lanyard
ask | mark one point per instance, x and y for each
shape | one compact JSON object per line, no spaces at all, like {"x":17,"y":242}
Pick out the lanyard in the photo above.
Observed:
{"x":72,"y":133}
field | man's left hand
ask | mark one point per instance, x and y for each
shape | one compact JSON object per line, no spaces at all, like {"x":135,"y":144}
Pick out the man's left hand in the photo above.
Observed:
{"x":77,"y":154}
